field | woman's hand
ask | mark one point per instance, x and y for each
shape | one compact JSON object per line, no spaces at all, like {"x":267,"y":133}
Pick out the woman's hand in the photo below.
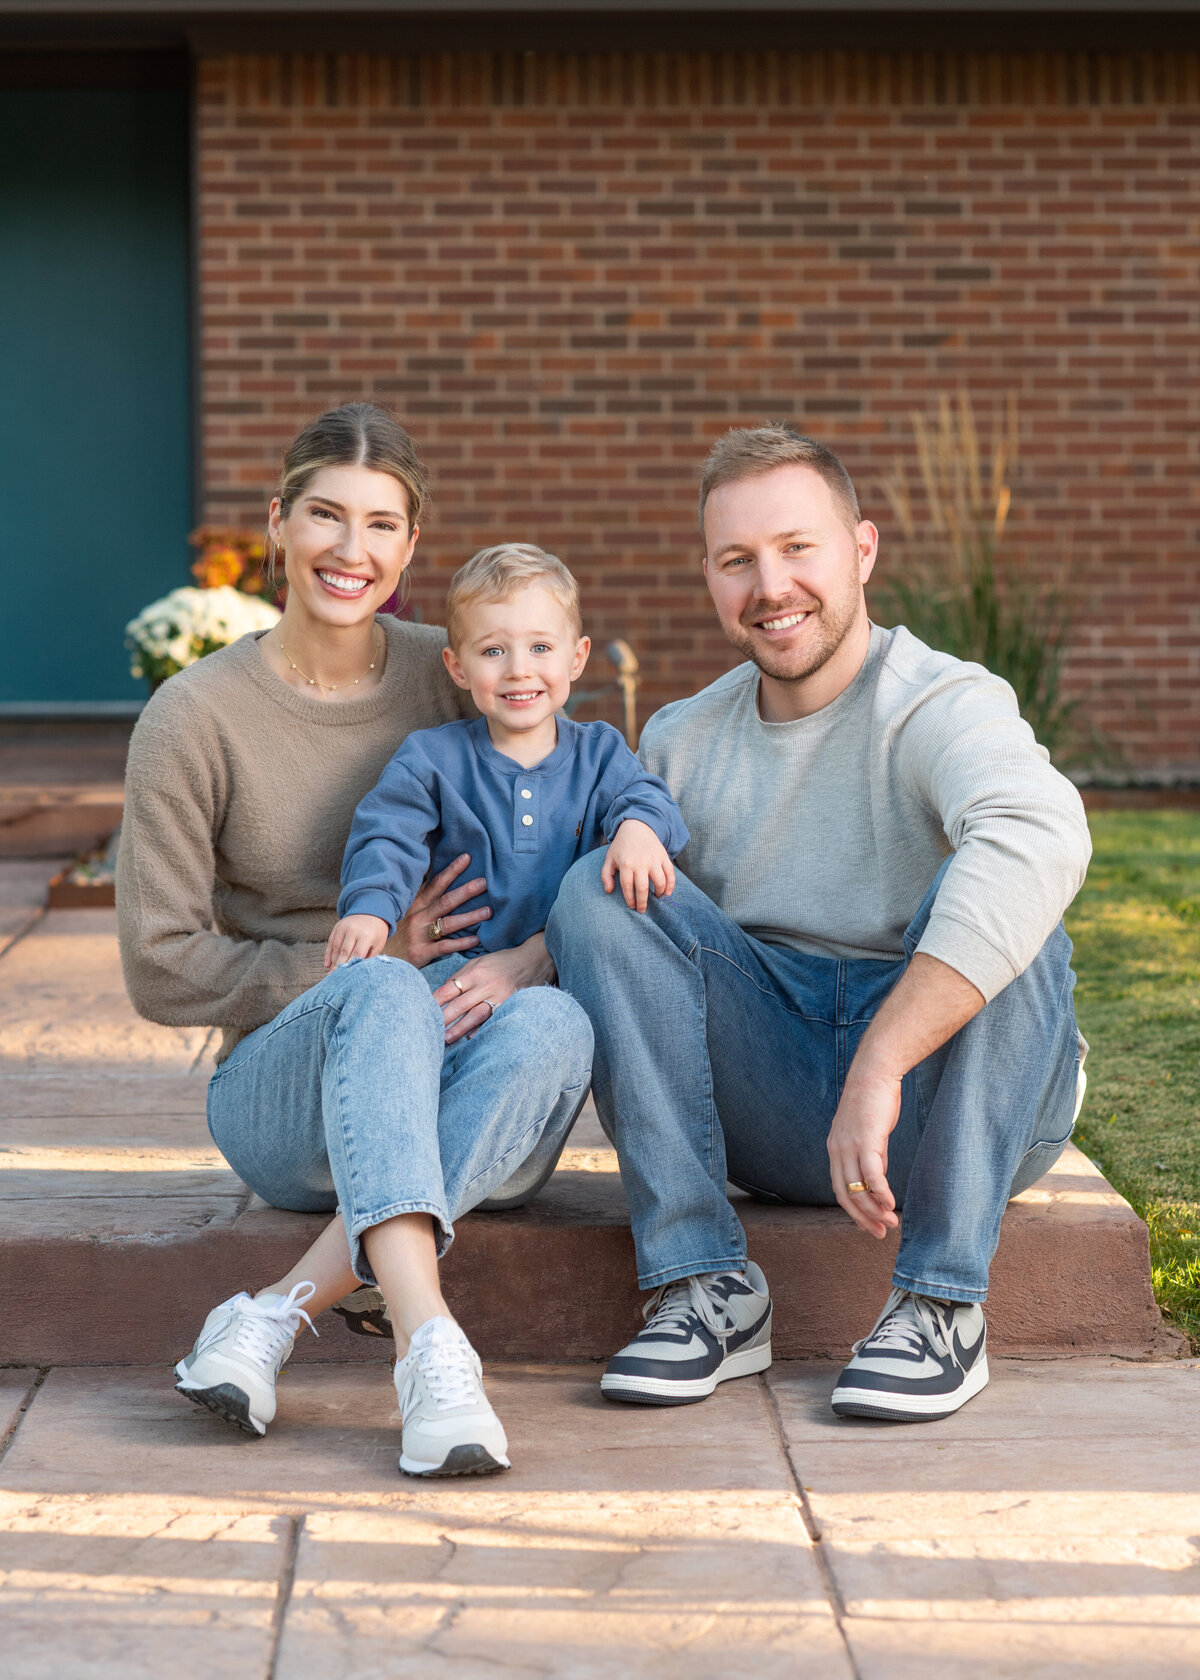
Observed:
{"x":435,"y":902}
{"x":488,"y":980}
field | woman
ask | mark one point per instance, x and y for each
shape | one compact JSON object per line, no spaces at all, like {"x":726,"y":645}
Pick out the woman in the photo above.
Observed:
{"x":400,"y":1098}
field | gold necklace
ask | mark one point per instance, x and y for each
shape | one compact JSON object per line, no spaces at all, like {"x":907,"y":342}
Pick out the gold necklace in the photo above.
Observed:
{"x":312,"y":681}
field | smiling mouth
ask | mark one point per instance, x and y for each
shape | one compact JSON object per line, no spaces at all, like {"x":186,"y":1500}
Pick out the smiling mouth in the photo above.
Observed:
{"x":342,"y":583}
{"x":788,"y":622}
{"x":522,"y":698}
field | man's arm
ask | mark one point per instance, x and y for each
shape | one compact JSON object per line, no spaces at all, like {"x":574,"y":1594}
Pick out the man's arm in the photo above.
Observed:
{"x":928,"y":1004}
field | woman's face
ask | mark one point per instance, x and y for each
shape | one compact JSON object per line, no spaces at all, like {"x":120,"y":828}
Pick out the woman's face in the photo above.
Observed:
{"x":345,"y":540}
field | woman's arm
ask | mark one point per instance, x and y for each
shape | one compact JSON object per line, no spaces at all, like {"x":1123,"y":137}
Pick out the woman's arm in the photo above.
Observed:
{"x":178,"y":969}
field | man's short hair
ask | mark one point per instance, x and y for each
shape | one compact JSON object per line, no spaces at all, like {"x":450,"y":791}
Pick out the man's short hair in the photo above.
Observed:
{"x":495,"y":574}
{"x":749,"y":451}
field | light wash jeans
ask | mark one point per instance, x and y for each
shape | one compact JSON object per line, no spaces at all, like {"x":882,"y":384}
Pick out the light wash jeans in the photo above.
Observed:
{"x":718,"y":1056}
{"x":351,"y":1099}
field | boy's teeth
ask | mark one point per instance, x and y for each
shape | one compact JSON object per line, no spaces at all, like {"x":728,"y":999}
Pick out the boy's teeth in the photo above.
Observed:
{"x":784,"y":623}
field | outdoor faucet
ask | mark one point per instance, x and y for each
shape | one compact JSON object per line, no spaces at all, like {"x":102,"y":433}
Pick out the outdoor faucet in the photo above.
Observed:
{"x":622,"y":656}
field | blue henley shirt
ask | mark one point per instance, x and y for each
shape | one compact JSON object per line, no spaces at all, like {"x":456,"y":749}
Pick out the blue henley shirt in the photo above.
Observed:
{"x":448,"y":791}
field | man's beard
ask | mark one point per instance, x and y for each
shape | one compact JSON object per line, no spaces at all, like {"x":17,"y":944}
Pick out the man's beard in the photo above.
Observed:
{"x":833,"y":624}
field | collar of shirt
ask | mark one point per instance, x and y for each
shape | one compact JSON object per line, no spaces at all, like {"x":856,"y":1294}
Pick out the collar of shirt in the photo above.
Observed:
{"x":548,"y":766}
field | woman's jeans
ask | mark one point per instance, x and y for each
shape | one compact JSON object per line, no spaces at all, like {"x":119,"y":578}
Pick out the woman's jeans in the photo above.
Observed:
{"x":350,"y":1098}
{"x":721,"y":1057}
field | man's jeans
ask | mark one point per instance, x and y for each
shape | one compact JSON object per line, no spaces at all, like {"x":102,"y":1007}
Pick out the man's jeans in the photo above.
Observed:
{"x":719,"y":1056}
{"x":351,"y":1099}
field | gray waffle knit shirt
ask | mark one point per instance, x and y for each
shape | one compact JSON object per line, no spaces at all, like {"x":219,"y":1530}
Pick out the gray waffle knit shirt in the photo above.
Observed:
{"x":825,"y":833}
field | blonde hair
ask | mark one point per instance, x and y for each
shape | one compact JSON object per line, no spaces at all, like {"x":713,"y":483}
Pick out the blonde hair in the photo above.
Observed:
{"x":495,"y":574}
{"x":749,"y":451}
{"x":358,"y":434}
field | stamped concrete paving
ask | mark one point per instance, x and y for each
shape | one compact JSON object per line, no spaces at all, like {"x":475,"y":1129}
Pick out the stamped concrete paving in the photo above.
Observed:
{"x":1052,"y":1529}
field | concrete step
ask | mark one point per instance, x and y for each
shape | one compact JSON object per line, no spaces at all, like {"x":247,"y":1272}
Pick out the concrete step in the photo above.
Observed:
{"x":120,"y":1225}
{"x":121,"y":1268}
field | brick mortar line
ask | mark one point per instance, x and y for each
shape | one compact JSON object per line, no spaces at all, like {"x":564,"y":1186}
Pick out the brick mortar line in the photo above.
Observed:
{"x":283,"y":1597}
{"x":31,"y":1395}
{"x":833,"y":1592}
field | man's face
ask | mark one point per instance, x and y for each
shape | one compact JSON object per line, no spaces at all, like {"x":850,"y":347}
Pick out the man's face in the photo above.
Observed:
{"x":785,"y":571}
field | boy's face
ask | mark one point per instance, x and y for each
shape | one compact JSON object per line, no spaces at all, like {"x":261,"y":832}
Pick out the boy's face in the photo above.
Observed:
{"x":518,"y":657}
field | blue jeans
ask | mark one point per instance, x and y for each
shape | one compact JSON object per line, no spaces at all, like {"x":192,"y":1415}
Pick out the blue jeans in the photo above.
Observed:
{"x":351,"y":1099}
{"x":721,"y":1057}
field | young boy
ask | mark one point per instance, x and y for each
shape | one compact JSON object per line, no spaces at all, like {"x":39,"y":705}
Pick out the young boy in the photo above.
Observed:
{"x":524,"y":792}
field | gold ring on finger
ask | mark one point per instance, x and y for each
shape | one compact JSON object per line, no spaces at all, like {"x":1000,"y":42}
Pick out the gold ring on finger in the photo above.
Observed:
{"x":457,"y":982}
{"x":435,"y":930}
{"x":857,"y":1186}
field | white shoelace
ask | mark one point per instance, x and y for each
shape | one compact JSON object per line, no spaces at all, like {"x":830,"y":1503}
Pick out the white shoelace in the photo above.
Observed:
{"x":671,"y":1303}
{"x":268,"y":1325}
{"x":908,"y":1322}
{"x":447,"y":1363}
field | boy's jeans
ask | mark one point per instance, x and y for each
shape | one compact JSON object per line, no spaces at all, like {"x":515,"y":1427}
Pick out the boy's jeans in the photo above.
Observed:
{"x":719,"y":1056}
{"x":351,"y":1099}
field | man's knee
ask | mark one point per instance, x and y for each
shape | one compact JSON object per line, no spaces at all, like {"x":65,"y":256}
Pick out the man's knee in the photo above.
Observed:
{"x":583,"y":910}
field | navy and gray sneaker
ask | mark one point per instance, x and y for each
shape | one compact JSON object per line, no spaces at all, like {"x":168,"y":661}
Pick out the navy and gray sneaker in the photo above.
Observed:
{"x":700,"y":1331}
{"x":923,"y":1360}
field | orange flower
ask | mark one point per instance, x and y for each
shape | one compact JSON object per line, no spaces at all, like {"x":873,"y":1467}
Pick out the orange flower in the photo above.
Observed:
{"x":217,"y":566}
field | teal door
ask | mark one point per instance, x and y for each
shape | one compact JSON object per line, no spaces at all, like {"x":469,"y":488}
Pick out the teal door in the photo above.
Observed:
{"x":95,"y":447}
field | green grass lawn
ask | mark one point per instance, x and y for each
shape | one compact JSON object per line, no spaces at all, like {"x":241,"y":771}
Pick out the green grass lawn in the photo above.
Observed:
{"x":1136,"y":927}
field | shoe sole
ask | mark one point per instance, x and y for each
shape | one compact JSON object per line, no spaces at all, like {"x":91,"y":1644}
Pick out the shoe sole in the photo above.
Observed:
{"x":228,"y":1402}
{"x":372,"y":1323}
{"x":467,"y":1460}
{"x":908,"y":1408}
{"x":662,"y":1391}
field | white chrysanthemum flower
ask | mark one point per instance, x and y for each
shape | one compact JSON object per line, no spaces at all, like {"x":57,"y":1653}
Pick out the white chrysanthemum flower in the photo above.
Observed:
{"x":173,"y":629}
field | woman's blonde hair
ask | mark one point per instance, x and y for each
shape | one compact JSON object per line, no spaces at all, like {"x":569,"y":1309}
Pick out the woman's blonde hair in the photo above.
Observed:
{"x":494,"y":574}
{"x":358,"y":434}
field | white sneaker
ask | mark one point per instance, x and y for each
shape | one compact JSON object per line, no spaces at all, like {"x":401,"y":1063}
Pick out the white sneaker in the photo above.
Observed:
{"x":448,"y":1427}
{"x":237,"y":1356}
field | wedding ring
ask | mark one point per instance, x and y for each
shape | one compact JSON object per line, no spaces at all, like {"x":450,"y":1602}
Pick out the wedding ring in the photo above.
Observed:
{"x":435,"y":930}
{"x":457,"y":982}
{"x":857,"y":1186}
{"x":491,"y":1006}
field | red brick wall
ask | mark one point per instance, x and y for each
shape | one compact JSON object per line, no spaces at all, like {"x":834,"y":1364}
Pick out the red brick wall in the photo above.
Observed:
{"x":568,"y":273}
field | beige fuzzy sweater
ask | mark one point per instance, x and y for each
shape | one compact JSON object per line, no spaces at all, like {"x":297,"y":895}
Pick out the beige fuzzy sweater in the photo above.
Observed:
{"x":239,"y":794}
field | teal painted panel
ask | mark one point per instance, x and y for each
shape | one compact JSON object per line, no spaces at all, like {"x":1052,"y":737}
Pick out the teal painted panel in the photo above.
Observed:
{"x":95,"y":448}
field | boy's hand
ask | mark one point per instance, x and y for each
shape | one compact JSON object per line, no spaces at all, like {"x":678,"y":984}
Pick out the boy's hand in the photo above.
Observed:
{"x":355,"y":936}
{"x":640,"y":859}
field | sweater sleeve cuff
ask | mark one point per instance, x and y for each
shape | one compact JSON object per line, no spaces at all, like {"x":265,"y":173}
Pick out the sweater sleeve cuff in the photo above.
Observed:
{"x":370,"y":901}
{"x":968,"y":953}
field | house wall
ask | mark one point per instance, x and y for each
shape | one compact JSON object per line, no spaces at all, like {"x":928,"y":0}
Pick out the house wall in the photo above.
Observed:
{"x":569,"y":272}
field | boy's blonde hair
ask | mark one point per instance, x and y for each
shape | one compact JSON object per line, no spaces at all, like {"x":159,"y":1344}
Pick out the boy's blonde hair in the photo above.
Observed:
{"x":495,"y":574}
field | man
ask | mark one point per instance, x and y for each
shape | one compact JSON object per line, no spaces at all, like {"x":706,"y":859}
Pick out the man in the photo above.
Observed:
{"x":860,"y":989}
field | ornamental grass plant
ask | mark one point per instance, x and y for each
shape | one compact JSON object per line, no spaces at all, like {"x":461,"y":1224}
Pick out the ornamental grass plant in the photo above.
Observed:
{"x":959,"y":585}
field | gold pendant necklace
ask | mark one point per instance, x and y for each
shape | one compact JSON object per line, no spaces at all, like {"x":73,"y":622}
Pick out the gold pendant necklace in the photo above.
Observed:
{"x":312,"y":681}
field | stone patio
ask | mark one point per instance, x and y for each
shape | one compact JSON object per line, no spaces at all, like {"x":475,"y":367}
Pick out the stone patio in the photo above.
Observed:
{"x":1050,"y":1529}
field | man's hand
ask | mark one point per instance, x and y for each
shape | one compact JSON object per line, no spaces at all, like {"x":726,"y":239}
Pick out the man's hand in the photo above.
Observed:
{"x":638,"y":857}
{"x":472,"y":996}
{"x":858,"y":1149}
{"x":928,"y":1004}
{"x":355,"y":936}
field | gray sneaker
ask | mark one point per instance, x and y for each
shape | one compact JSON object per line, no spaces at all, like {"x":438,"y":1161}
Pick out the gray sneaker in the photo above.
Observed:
{"x":448,"y":1425}
{"x":700,"y":1331}
{"x":238,"y":1355}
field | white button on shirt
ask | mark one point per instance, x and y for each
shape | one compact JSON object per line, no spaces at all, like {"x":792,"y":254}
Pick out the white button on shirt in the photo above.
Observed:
{"x":528,"y":821}
{"x":526,"y":794}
